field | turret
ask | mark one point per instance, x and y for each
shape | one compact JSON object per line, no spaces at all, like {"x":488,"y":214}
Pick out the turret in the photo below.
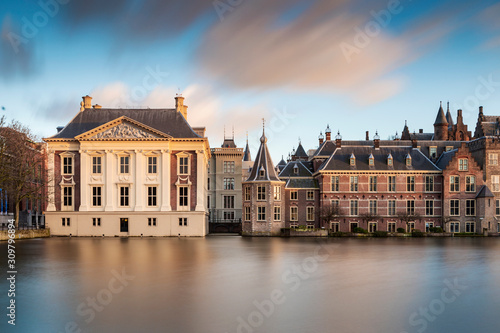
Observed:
{"x":441,"y":125}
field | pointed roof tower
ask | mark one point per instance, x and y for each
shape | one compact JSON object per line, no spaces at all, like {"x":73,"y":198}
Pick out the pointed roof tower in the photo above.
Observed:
{"x":263,"y":167}
{"x":246,"y":154}
{"x":405,"y":135}
{"x":449,"y":118}
{"x":440,"y":118}
{"x":300,"y":153}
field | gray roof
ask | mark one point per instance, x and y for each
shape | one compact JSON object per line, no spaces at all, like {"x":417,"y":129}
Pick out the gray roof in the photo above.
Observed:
{"x":264,"y":162}
{"x":340,"y":159}
{"x":325,"y":149}
{"x":302,"y":183}
{"x":445,"y":159}
{"x":449,"y":118}
{"x":304,"y":169}
{"x":228,"y":143}
{"x":246,"y":155}
{"x":300,"y":152}
{"x":484,"y":192}
{"x":440,"y":118}
{"x":168,"y":121}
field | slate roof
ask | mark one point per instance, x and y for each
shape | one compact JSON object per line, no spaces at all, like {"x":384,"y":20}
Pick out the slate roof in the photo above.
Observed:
{"x":168,"y":121}
{"x":484,"y":192}
{"x":246,"y":155}
{"x":445,"y":159}
{"x":449,"y":118}
{"x":264,"y":162}
{"x":300,"y":152}
{"x":440,"y":118}
{"x":304,"y":169}
{"x":340,"y":159}
{"x":302,"y":183}
{"x":325,"y":149}
{"x":490,"y":125}
{"x":228,"y":143}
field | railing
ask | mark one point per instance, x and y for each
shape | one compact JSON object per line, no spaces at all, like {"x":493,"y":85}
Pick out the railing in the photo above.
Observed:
{"x":224,"y":221}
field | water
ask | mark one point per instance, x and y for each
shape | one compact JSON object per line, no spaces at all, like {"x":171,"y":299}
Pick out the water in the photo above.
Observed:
{"x":234,"y":284}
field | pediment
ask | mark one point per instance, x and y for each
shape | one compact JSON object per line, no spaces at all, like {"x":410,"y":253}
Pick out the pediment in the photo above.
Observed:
{"x":122,"y":128}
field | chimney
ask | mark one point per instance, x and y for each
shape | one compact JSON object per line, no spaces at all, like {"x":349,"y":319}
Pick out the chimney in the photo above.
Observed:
{"x":338,"y":140}
{"x":321,"y":138}
{"x":376,"y":140}
{"x":414,"y":144}
{"x":328,"y":133}
{"x":87,"y":102}
{"x":367,"y":136}
{"x":421,"y":131}
{"x":97,"y":106}
{"x":459,"y":113}
{"x":179,"y":105}
{"x":481,"y":110}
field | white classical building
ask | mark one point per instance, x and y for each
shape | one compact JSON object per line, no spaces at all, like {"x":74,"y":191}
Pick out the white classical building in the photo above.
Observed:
{"x":128,"y":172}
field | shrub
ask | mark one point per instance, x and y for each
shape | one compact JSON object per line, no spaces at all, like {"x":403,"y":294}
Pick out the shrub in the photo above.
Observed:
{"x":359,"y":230}
{"x":338,"y":234}
{"x":401,"y":230}
{"x":380,"y":234}
{"x":436,"y":229}
{"x":417,"y":233}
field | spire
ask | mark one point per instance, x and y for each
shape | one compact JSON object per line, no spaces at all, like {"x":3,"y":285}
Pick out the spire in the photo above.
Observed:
{"x":449,"y":118}
{"x":228,"y":142}
{"x":405,"y":135}
{"x":300,"y":153}
{"x":263,"y":167}
{"x":246,"y":155}
{"x":440,"y":118}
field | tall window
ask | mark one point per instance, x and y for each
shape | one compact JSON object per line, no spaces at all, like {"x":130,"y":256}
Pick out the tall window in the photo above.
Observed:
{"x":67,"y":196}
{"x":495,"y":183}
{"x":229,"y":201}
{"x":470,"y":207}
{"x":183,"y":196}
{"x":152,"y":164}
{"x":354,"y":208}
{"x":497,"y":207}
{"x":294,"y":213}
{"x":67,"y":165}
{"x":373,"y":207}
{"x":335,"y":183}
{"x":152,"y":196}
{"x":454,"y":227}
{"x":335,"y":203}
{"x":96,"y":164}
{"x":294,"y":195}
{"x":410,"y":183}
{"x":353,"y":181}
{"x":391,"y":207}
{"x":248,"y":193}
{"x":410,"y":207}
{"x":261,"y":193}
{"x":454,"y":207}
{"x":392,"y":183}
{"x":470,"y":227}
{"x":454,"y":184}
{"x":429,"y":183}
{"x":183,"y":165}
{"x":124,"y":164}
{"x":391,"y":227}
{"x":277,"y":213}
{"x":277,"y":193}
{"x":208,"y":183}
{"x":124,"y":196}
{"x":248,"y":214}
{"x":261,"y":213}
{"x":373,"y":183}
{"x":310,"y":195}
{"x":228,"y":166}
{"x":229,"y":215}
{"x":229,"y":183}
{"x":310,"y":213}
{"x":463,"y":164}
{"x":470,"y":184}
{"x":493,"y":159}
{"x":429,"y":207}
{"x":96,"y":196}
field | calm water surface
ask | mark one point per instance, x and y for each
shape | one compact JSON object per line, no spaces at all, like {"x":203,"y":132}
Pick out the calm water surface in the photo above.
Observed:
{"x":234,"y":284}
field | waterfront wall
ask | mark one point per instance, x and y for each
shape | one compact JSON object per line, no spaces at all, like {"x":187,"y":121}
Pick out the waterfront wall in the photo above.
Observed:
{"x":26,"y":234}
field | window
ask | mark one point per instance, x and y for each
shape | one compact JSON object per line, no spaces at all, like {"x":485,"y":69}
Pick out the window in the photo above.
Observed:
{"x":228,"y":166}
{"x":373,"y":183}
{"x":372,"y":226}
{"x":208,"y":184}
{"x":391,"y":207}
{"x":124,"y":164}
{"x":229,"y":201}
{"x":497,"y":207}
{"x":310,"y":195}
{"x":470,"y":184}
{"x":335,"y":183}
{"x":294,"y":213}
{"x":277,"y":193}
{"x":495,"y":183}
{"x":354,"y":183}
{"x":373,"y":207}
{"x":470,"y":207}
{"x":429,"y":183}
{"x":448,"y":148}
{"x":433,"y":152}
{"x":96,"y":164}
{"x":152,"y":164}
{"x":183,"y":196}
{"x":392,"y":183}
{"x":454,"y":184}
{"x":454,"y":207}
{"x":352,"y":226}
{"x":391,"y":227}
{"x":261,"y":213}
{"x":183,"y":221}
{"x":67,"y":165}
{"x":208,"y":201}
{"x":248,"y":214}
{"x":411,"y":226}
{"x":371,"y":161}
{"x":261,"y":193}
{"x":248,"y":193}
{"x":354,"y":208}
{"x":310,"y":213}
{"x":229,"y":183}
{"x":152,"y":221}
{"x":410,"y":207}
{"x":389,"y":161}
{"x":67,"y":196}
{"x":429,"y":207}
{"x":96,"y":196}
{"x":470,"y":227}
{"x":410,"y":183}
{"x":294,"y":195}
{"x":124,"y":196}
{"x":454,"y":227}
{"x":335,"y":226}
{"x":335,"y":203}
{"x":152,"y":196}
{"x":428,"y":226}
{"x":493,"y":159}
{"x":408,"y":160}
{"x":277,"y":213}
{"x":183,"y":165}
{"x":65,"y":221}
{"x":294,"y":225}
{"x":352,"y":160}
{"x":463,"y":164}
{"x":96,"y":221}
{"x":229,"y":215}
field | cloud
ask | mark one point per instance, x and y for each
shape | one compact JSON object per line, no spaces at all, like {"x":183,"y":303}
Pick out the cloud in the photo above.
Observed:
{"x":488,"y":20}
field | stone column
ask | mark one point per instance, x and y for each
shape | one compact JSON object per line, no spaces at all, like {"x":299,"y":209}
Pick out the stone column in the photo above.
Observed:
{"x":51,"y":207}
{"x":140,"y":196}
{"x":109,"y":182}
{"x":165,"y":180}
{"x":84,"y":180}
{"x":200,"y":180}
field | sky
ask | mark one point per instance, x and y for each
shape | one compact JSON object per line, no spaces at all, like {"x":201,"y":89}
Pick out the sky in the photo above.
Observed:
{"x":362,"y":65}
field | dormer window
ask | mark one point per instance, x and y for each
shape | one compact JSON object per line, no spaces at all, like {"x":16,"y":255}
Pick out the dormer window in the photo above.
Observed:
{"x":296,"y":169}
{"x":261,"y":172}
{"x":389,"y":160}
{"x":371,"y":160}
{"x":352,"y":160}
{"x":408,"y":160}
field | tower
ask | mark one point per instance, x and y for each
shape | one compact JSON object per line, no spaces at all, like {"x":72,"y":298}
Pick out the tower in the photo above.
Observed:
{"x":440,"y":126}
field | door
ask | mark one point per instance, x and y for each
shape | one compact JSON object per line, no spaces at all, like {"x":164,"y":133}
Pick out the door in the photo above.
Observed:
{"x":123,"y":224}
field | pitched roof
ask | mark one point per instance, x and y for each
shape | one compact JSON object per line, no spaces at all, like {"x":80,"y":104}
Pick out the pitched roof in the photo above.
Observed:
{"x":300,"y":152}
{"x":246,"y":155}
{"x":484,"y":192}
{"x":168,"y":121}
{"x":263,"y":162}
{"x":449,"y":118}
{"x":325,"y":149}
{"x":440,"y":118}
{"x":445,"y":159}
{"x":302,"y":183}
{"x":303,"y":169}
{"x":228,"y":143}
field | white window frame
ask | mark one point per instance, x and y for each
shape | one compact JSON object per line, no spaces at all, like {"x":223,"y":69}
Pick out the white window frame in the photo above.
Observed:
{"x":125,"y":196}
{"x":470,"y":207}
{"x":277,"y":213}
{"x":454,"y":183}
{"x":277,"y":193}
{"x":186,"y":169}
{"x":294,"y":195}
{"x":294,"y":213}
{"x":261,"y":213}
{"x":71,"y":158}
{"x":463,"y":164}
{"x":70,"y":197}
{"x":454,"y":209}
{"x":95,"y":165}
{"x":179,"y":197}
{"x":152,"y":198}
{"x":152,"y":164}
{"x":310,"y":213}
{"x":96,"y":196}
{"x":122,"y":166}
{"x":310,"y":195}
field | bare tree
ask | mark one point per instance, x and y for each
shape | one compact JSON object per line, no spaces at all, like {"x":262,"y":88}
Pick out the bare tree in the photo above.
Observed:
{"x":330,"y":212}
{"x":367,"y":217}
{"x":408,"y":217}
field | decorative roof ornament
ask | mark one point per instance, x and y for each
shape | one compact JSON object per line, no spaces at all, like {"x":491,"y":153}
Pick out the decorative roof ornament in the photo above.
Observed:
{"x":328,"y":130}
{"x":338,"y":136}
{"x":376,"y":137}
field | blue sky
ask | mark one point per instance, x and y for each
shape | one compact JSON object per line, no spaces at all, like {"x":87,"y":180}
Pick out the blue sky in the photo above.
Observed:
{"x":356,"y":65}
